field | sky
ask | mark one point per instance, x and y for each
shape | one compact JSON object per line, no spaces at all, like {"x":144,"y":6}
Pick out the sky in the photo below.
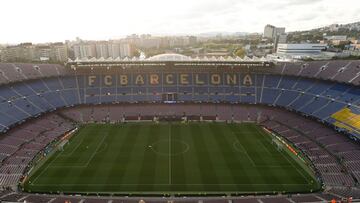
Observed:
{"x":57,"y":20}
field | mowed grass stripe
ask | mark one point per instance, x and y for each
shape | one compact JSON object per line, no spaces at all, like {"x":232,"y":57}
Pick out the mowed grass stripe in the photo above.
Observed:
{"x":122,"y":157}
{"x":161,"y":149}
{"x":104,"y":160}
{"x":217,"y":152}
{"x":233,"y":161}
{"x":208,"y":175}
{"x":149,"y":161}
{"x":193,"y":169}
{"x":136,"y":156}
{"x":178,"y":164}
{"x":111,"y":153}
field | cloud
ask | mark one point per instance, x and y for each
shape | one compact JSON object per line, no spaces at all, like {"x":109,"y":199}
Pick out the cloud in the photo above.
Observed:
{"x":57,"y":20}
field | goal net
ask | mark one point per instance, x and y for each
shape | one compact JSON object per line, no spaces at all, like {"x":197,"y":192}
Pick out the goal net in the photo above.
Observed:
{"x":277,"y":143}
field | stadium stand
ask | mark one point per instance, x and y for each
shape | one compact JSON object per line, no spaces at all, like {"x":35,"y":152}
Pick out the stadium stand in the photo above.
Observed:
{"x":340,"y":71}
{"x":324,"y":95}
{"x":10,"y":73}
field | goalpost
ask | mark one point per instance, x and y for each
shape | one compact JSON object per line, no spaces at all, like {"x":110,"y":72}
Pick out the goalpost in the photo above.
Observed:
{"x":278,"y":144}
{"x":61,"y":145}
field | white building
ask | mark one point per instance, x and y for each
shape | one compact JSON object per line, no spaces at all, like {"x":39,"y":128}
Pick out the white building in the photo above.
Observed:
{"x":102,"y":50}
{"x":114,"y":50}
{"x":268,"y":31}
{"x":119,"y":49}
{"x":85,"y":50}
{"x":300,"y":48}
{"x":125,"y":50}
{"x":299,"y":51}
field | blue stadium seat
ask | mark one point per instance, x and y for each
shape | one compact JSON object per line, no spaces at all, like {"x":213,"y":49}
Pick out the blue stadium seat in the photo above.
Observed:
{"x":286,"y":97}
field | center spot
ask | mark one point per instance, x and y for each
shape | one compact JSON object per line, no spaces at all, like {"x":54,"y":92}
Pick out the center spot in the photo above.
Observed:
{"x":164,"y":148}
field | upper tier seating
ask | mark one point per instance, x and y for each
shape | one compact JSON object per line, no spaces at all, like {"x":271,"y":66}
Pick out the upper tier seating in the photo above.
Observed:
{"x":11,"y":72}
{"x":346,"y":71}
{"x":340,"y":71}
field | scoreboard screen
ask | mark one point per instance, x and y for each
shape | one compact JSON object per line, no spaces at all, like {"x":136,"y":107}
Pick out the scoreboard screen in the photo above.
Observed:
{"x":169,"y":97}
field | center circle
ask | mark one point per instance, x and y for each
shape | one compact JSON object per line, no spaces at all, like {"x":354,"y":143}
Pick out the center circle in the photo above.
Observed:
{"x":171,"y":147}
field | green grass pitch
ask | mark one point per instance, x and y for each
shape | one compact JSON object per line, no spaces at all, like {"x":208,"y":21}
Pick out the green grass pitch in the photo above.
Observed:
{"x":148,"y":158}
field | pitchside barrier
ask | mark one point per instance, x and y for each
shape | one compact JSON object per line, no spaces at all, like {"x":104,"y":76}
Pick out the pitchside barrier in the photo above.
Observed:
{"x":169,"y":118}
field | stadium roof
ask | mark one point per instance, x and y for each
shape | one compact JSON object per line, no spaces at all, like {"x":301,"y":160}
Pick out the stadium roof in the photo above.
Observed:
{"x":169,"y":57}
{"x":172,"y":57}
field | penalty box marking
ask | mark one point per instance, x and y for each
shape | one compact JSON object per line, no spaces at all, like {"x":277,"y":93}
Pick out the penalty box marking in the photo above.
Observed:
{"x":262,"y":132}
{"x":82,"y":166}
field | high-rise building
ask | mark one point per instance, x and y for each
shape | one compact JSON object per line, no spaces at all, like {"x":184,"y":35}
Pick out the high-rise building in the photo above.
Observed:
{"x":43,"y":53}
{"x":27,"y":52}
{"x":102,"y":49}
{"x":279,"y":31}
{"x":279,"y":39}
{"x":1,"y":55}
{"x":271,"y":32}
{"x":114,"y":50}
{"x":85,"y":50}
{"x":119,"y":49}
{"x":24,"y":52}
{"x":59,"y":52}
{"x":125,"y":50}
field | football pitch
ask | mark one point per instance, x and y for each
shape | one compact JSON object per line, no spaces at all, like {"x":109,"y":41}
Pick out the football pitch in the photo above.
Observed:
{"x":171,"y":158}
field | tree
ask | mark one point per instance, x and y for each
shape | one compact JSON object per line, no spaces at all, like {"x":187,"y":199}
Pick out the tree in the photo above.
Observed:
{"x":240,"y":52}
{"x":136,"y":53}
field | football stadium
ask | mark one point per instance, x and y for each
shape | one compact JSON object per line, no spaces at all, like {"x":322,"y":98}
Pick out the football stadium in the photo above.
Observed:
{"x":171,"y":128}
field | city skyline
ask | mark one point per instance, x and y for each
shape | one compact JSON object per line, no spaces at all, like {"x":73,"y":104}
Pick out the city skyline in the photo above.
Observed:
{"x":50,"y":21}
